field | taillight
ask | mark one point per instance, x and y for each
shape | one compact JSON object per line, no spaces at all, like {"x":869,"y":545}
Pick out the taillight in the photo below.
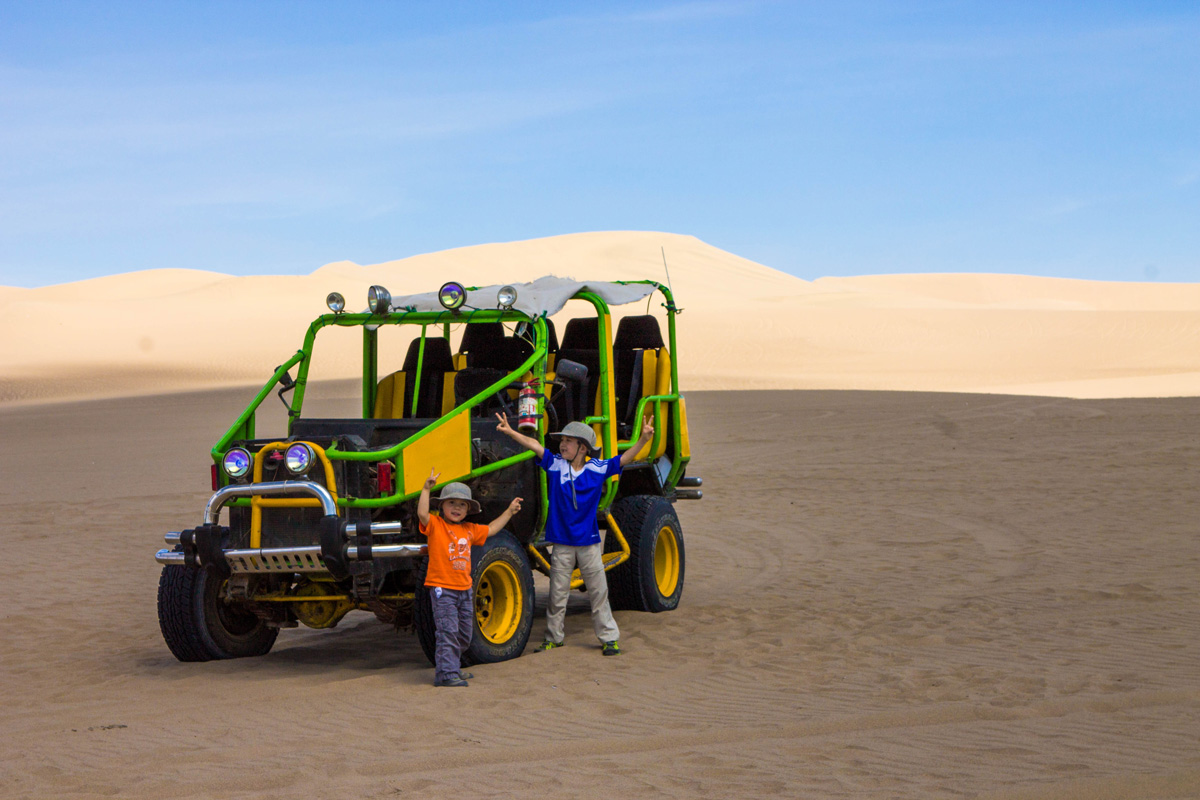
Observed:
{"x":215,"y":477}
{"x":384,"y":478}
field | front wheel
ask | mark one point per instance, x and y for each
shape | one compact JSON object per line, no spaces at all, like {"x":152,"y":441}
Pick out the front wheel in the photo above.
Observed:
{"x":652,"y":578}
{"x":199,"y":625}
{"x":503,"y":584}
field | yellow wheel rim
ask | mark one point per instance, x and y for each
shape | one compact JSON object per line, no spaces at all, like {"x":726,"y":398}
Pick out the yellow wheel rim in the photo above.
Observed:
{"x":666,"y":561}
{"x":498,"y":602}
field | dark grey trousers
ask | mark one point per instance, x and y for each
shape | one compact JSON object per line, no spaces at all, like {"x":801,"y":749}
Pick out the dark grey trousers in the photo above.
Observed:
{"x":454,"y":620}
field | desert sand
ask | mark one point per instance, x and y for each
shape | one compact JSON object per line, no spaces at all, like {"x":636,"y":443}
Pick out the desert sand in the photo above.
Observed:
{"x":905,"y":580}
{"x":888,"y":594}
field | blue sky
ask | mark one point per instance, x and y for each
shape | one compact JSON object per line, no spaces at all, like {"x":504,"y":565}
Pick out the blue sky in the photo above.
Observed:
{"x":1057,"y":139}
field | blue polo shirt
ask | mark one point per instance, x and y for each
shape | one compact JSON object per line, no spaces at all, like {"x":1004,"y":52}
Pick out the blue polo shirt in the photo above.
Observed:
{"x":573,"y":521}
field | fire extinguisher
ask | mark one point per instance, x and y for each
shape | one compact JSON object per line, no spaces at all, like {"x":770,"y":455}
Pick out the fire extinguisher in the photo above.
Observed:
{"x":527,"y":405}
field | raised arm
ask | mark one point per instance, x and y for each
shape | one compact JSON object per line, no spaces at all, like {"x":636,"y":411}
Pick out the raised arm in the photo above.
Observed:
{"x":636,"y":447}
{"x":423,"y":503}
{"x":527,"y":442}
{"x":497,"y":525}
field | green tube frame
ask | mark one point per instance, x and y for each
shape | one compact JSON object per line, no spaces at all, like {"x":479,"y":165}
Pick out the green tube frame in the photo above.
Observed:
{"x":244,"y":427}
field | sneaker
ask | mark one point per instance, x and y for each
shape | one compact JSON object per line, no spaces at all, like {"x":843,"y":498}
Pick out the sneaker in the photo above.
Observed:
{"x":466,"y":676}
{"x":547,"y":645}
{"x":451,"y":682}
{"x":611,"y":649}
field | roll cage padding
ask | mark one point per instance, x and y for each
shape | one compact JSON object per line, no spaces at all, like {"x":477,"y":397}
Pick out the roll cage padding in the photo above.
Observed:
{"x":582,"y":333}
{"x":638,"y":333}
{"x":437,"y":362}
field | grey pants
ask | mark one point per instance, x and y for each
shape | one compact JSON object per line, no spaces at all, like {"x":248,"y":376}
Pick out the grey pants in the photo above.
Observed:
{"x":454,"y":620}
{"x":563,"y":559}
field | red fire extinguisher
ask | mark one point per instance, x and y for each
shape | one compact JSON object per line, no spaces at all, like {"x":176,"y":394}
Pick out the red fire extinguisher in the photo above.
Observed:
{"x":527,"y":404}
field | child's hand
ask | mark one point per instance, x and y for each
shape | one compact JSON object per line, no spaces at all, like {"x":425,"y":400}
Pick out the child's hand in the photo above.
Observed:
{"x":648,"y":429}
{"x":502,"y":425}
{"x":431,"y":481}
{"x":514,"y":506}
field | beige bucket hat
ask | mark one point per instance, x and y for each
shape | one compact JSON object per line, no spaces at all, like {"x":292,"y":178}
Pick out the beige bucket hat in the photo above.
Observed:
{"x":578,"y":430}
{"x":457,"y":491}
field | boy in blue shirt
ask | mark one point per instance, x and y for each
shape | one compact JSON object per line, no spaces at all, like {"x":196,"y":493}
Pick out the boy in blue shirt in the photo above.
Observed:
{"x":575,"y":484}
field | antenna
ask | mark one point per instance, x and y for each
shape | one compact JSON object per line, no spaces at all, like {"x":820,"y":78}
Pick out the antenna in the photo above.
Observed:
{"x":664,"y":255}
{"x":671,"y":306}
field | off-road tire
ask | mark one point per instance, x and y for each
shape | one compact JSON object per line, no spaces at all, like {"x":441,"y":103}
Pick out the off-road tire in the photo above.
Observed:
{"x":500,"y":574}
{"x":198,"y":626}
{"x":175,"y":618}
{"x":423,"y":613}
{"x":635,"y":585}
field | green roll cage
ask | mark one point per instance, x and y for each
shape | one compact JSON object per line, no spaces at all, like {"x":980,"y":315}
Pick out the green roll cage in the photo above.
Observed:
{"x":244,"y":428}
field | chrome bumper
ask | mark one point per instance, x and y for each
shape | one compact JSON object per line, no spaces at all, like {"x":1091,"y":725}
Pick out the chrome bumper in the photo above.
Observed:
{"x":355,"y":545}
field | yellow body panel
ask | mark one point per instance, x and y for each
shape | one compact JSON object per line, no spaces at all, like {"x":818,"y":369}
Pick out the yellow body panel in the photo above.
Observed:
{"x":662,"y":372}
{"x":662,"y":385}
{"x":684,"y":445}
{"x":446,"y":449}
{"x":448,"y":392}
{"x":389,"y":398}
{"x":656,"y":380}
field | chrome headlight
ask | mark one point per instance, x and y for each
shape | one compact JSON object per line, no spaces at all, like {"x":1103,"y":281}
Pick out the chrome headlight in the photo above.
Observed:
{"x":335,"y":301}
{"x":506,"y":297}
{"x":298,"y":458}
{"x":379,"y":300}
{"x":237,"y":462}
{"x":452,"y":295}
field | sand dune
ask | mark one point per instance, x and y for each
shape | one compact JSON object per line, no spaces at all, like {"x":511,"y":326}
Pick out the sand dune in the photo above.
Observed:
{"x":745,"y":326}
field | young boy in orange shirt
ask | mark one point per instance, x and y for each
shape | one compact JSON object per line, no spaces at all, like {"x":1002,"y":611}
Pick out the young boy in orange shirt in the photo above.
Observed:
{"x":448,"y":578}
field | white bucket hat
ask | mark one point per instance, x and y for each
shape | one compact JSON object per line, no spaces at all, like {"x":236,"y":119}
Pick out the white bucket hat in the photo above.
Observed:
{"x":578,"y":430}
{"x":457,"y":491}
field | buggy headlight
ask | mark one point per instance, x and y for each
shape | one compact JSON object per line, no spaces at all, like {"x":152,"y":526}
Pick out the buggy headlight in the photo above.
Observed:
{"x":335,"y":301}
{"x":379,"y":300}
{"x":506,"y":297}
{"x":452,"y":295}
{"x":298,"y":458}
{"x":237,"y":462}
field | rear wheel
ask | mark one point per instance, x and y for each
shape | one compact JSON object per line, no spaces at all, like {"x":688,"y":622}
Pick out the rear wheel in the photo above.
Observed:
{"x":652,"y":578}
{"x":199,"y":625}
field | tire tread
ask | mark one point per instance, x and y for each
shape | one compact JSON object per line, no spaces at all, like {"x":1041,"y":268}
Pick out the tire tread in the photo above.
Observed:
{"x":176,"y":620}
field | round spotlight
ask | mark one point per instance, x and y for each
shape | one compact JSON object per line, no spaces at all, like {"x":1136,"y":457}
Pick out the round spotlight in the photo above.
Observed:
{"x":506,"y":297}
{"x":237,"y":462}
{"x":298,"y":458}
{"x":336,"y":302}
{"x":452,"y":295}
{"x":379,"y":300}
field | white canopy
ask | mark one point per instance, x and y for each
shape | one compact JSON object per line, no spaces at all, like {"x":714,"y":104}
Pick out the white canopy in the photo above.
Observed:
{"x":544,"y":296}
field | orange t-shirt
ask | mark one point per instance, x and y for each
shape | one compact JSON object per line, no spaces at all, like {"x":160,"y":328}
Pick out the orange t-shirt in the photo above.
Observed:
{"x":450,"y":551}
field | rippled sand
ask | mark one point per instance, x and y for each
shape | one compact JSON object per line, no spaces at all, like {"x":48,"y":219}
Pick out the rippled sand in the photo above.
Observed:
{"x":888,"y":594}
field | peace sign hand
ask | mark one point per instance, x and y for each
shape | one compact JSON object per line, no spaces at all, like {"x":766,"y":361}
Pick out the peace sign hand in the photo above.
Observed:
{"x":431,"y":481}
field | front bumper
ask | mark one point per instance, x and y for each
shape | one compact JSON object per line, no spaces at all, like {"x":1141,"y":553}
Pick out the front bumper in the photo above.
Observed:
{"x":342,"y":541}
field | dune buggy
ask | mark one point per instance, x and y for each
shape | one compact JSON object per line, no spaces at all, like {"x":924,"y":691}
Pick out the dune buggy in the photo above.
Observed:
{"x":322,"y":522}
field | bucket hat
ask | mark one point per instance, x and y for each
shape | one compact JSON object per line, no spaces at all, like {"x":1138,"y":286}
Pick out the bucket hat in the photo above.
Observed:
{"x":457,"y":491}
{"x":577,"y":430}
